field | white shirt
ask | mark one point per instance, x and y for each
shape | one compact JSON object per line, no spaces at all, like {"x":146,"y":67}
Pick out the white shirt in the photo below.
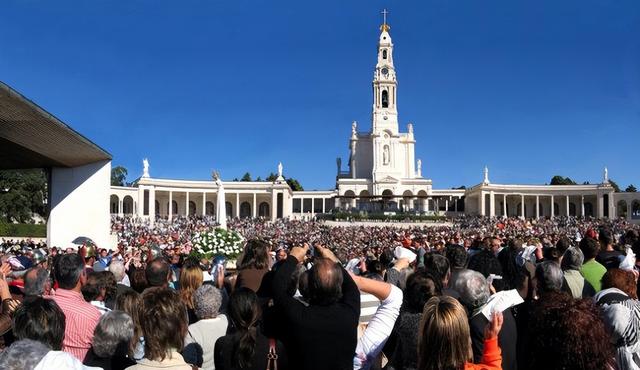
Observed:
{"x":378,"y":331}
{"x":206,"y":332}
{"x":61,"y":361}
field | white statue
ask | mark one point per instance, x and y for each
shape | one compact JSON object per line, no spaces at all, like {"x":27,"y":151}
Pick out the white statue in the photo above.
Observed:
{"x":410,"y":128}
{"x":605,"y":178}
{"x":215,"y":175}
{"x":280,"y":170}
{"x":486,"y":175}
{"x":419,"y":168}
{"x":385,"y":155}
{"x":145,"y":167}
{"x":354,"y":128}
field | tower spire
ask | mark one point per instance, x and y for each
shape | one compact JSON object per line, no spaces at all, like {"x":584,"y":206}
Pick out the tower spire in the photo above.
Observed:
{"x":385,"y":26}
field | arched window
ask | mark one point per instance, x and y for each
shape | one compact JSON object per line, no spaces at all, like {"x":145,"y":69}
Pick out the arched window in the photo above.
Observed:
{"x":114,"y":203}
{"x":210,"y":209}
{"x":192,"y":208}
{"x":384,"y":54}
{"x":385,"y":99}
{"x":229,"y":208}
{"x":263,"y":210}
{"x":245,"y":210}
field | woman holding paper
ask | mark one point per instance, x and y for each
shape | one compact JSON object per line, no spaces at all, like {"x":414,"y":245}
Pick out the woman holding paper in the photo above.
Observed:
{"x":444,"y":339}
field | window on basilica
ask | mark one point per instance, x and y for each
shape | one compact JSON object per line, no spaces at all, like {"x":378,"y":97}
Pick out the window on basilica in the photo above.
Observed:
{"x":384,"y":54}
{"x":385,"y":99}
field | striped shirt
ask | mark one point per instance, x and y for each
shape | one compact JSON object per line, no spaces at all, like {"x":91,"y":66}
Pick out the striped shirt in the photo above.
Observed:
{"x":368,"y":306}
{"x":81,"y":319}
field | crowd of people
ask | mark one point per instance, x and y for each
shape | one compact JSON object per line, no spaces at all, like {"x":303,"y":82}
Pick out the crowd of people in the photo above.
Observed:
{"x":475,"y":293}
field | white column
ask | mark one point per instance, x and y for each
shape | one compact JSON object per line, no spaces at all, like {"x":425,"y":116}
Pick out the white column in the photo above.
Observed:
{"x":152,"y":204}
{"x":455,"y":205}
{"x":323,"y":205}
{"x":204,"y":203}
{"x":481,"y":204}
{"x":140,"y":209}
{"x":274,"y":206}
{"x":582,"y":205}
{"x":568,"y":213}
{"x":537,"y":207}
{"x":238,"y":205}
{"x":170,"y":205}
{"x":504,"y":206}
{"x":553,"y":207}
{"x":600,"y":205}
{"x":492,"y":204}
{"x":120,"y":207}
{"x":313,"y":206}
{"x":186,"y":204}
{"x":254,"y":208}
{"x":522,"y":214}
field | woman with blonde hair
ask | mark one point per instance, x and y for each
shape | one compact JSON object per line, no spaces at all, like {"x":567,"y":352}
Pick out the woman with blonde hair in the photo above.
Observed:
{"x":444,"y":341}
{"x":190,"y":280}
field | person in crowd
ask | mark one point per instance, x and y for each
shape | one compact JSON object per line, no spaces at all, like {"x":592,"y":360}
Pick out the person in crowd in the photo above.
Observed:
{"x":591,"y":269}
{"x":281,"y":254}
{"x":397,"y":275}
{"x":438,"y":265}
{"x":444,"y":338}
{"x":111,"y":341}
{"x":254,"y":265}
{"x":621,"y":315}
{"x":474,"y":294}
{"x":117,"y":268}
{"x":94,"y":290}
{"x":157,"y":273}
{"x":25,"y":354}
{"x":574,"y":282}
{"x":130,"y":302}
{"x":375,"y":270}
{"x":549,"y":277}
{"x":41,"y":320}
{"x":210,"y":326}
{"x":380,"y":326}
{"x":331,"y":316}
{"x":190,"y":280}
{"x":81,"y":316}
{"x":139,"y":280}
{"x":247,"y":347}
{"x":164,"y":325}
{"x":421,"y":286}
{"x":568,"y":334}
{"x":458,"y":259}
{"x":486,"y":263}
{"x":608,"y":256}
{"x":37,"y":282}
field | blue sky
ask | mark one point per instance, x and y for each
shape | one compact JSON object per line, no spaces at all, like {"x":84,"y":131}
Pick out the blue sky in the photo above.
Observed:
{"x":529,"y":88}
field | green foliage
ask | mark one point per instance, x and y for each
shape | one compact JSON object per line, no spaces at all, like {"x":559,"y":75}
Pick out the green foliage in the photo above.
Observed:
{"x":460,"y":188}
{"x":259,"y":179}
{"x":22,"y":193}
{"x":631,"y":189}
{"x":615,"y":186}
{"x":559,"y":180}
{"x":246,"y":177}
{"x":294,"y":184}
{"x":118,"y":176}
{"x":23,"y":230}
{"x":272,"y":177}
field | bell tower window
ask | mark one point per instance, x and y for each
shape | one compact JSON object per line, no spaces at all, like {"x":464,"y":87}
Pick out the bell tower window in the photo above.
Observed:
{"x":385,"y":99}
{"x":384,"y":54}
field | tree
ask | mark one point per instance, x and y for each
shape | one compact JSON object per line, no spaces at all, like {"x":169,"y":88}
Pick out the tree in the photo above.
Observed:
{"x":559,"y":180}
{"x":272,"y":177}
{"x":246,"y":177}
{"x":22,"y":193}
{"x":118,"y":176}
{"x":631,"y":189}
{"x":615,"y":186}
{"x":294,"y":184}
{"x":459,"y":188}
{"x":259,"y":179}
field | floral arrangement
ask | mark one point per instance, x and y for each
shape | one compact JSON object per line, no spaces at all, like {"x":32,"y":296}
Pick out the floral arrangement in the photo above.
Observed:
{"x":218,"y":242}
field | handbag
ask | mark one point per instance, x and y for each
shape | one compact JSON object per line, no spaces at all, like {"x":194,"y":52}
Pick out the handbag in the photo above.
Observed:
{"x":272,"y":355}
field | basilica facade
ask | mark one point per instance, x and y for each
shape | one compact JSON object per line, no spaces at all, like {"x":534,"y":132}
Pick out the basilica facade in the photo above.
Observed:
{"x":382,"y":175}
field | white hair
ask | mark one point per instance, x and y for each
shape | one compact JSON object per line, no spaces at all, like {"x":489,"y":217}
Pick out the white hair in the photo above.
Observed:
{"x":116,"y":267}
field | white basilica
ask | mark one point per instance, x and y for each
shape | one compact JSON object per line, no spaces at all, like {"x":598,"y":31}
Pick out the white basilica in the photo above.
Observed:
{"x":383,"y":175}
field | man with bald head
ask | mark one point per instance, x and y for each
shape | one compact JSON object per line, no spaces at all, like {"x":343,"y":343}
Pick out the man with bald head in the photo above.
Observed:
{"x":323,"y":334}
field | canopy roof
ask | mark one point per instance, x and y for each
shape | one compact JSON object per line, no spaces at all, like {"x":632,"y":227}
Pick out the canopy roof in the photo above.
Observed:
{"x":31,"y":137}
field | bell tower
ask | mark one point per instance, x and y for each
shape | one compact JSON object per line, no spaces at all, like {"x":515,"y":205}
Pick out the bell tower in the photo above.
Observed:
{"x":385,"y":112}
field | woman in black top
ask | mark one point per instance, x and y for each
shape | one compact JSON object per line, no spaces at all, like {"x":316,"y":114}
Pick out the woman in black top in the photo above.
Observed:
{"x":247,"y":348}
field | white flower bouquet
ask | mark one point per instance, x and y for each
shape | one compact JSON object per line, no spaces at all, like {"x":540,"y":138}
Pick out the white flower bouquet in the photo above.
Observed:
{"x":218,"y":242}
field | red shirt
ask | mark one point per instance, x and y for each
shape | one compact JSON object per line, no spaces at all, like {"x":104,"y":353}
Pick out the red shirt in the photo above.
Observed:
{"x":81,"y":320}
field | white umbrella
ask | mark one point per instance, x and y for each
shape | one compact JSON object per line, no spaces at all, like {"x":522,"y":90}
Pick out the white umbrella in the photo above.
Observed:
{"x":221,"y":212}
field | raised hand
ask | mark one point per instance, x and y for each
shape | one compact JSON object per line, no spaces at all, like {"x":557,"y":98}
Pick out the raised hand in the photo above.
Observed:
{"x":493,"y":328}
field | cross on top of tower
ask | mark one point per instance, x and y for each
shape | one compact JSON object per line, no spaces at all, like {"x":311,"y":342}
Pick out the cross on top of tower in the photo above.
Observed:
{"x":385,"y":26}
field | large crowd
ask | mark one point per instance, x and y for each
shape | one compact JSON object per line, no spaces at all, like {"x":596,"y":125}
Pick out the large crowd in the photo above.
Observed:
{"x":474,"y":293}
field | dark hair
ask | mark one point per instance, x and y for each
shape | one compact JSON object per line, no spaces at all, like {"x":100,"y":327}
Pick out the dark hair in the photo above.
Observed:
{"x":457,"y":256}
{"x":552,"y":254}
{"x":325,"y":282}
{"x":97,"y":283}
{"x":40,"y":319}
{"x":563,"y":244}
{"x":164,"y":322}
{"x":375,"y":267}
{"x":35,"y":280}
{"x":437,"y":264}
{"x":255,"y":255}
{"x":157,"y":272}
{"x":421,"y":286}
{"x":139,"y":280}
{"x":579,"y":340}
{"x":605,"y":237}
{"x":513,"y":276}
{"x":589,"y":248}
{"x":621,"y":279}
{"x":486,"y":263}
{"x":244,"y":312}
{"x":68,"y":269}
{"x":386,"y":257}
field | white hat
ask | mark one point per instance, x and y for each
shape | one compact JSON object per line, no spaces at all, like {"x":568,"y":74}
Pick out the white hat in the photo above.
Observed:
{"x":402,"y":252}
